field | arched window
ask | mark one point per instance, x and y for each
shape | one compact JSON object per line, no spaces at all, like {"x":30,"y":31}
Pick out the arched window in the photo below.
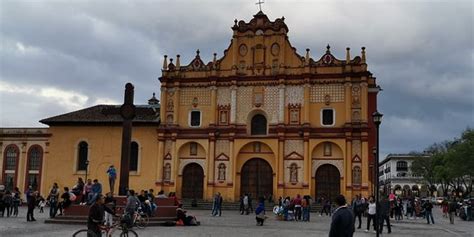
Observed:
{"x":134,"y":156}
{"x":83,"y":156}
{"x":259,"y":125}
{"x":402,"y":166}
{"x":33,"y":172}
{"x":10,"y":166}
{"x":356,"y":176}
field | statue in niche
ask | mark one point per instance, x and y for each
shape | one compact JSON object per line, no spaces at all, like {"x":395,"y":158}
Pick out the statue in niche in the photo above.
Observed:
{"x":167,"y":172}
{"x":294,"y":173}
{"x":170,"y":105}
{"x":221,"y":173}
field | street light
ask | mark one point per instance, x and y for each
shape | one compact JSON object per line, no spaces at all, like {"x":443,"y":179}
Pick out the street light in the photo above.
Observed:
{"x":377,"y":119}
{"x":374,"y":152}
{"x":87,"y":167}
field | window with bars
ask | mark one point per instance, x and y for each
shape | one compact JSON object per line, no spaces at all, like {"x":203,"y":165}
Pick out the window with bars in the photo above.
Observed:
{"x":327,"y":117}
{"x":34,"y":158}
{"x":82,"y":156}
{"x":11,"y":158}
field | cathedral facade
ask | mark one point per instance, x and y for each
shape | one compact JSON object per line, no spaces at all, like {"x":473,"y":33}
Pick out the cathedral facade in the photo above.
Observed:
{"x":261,"y":119}
{"x":264,"y":120}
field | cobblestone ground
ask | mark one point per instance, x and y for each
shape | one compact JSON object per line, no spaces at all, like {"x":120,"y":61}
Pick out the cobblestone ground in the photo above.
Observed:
{"x":232,"y":224}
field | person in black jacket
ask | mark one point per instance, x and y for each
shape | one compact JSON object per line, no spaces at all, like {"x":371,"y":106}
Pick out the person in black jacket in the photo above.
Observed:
{"x":342,"y":224}
{"x":96,"y":215}
{"x":31,"y":207}
{"x":385,"y":214}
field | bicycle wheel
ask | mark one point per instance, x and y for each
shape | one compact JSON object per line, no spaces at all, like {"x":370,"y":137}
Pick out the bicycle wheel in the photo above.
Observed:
{"x":84,"y":233}
{"x":128,"y":233}
{"x":142,"y":221}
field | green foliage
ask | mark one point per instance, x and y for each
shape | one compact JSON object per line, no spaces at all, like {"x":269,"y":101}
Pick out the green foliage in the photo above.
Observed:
{"x":450,"y":163}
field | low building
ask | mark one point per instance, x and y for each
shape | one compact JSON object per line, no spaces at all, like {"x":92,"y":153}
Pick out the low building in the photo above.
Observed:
{"x":395,"y":176}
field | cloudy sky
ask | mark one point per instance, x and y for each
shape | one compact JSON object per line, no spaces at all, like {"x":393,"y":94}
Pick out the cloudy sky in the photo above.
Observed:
{"x":60,"y":56}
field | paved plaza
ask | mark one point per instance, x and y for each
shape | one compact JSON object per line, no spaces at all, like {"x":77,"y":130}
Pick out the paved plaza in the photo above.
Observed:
{"x":232,"y":224}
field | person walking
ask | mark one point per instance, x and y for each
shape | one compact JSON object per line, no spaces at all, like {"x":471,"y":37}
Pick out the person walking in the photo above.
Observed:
{"x":371,"y":214}
{"x":8,"y":202}
{"x":357,"y":208}
{"x":241,"y":204}
{"x":112,"y":174}
{"x":305,"y":204}
{"x":342,"y":224}
{"x":66,"y":202}
{"x":16,"y":201}
{"x":31,"y":207}
{"x":53,"y":198}
{"x":452,"y":207}
{"x":428,"y":212}
{"x":385,"y":215}
{"x":246,"y":204}
{"x":297,"y":203}
{"x":218,"y":203}
{"x":260,"y":212}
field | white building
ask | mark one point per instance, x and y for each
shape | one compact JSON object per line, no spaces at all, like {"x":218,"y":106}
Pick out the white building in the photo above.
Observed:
{"x":395,"y":176}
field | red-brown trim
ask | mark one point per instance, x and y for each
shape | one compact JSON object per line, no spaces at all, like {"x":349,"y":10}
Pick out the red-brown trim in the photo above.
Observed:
{"x":16,"y":163}
{"x":40,"y":171}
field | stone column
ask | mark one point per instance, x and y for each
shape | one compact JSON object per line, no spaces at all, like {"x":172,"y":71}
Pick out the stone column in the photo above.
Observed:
{"x":163,"y":106}
{"x":213,"y":119}
{"x":281,"y":105}
{"x":347,"y":169}
{"x":281,"y":163}
{"x":175,"y":161}
{"x":364,"y":94}
{"x":210,"y":167}
{"x":159,"y":165}
{"x":233,"y":164}
{"x":306,"y":103}
{"x":307,"y":164}
{"x":176,"y":105}
{"x":233,"y":104}
{"x":348,"y":99}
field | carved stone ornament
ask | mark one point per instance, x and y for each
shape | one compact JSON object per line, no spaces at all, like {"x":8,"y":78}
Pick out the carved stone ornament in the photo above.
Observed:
{"x":195,"y":102}
{"x":170,"y":105}
{"x":275,"y":49}
{"x":243,"y":50}
{"x":327,"y":59}
{"x":327,"y":99}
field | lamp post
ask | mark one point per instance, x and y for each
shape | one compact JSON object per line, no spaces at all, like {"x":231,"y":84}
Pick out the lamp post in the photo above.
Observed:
{"x":374,"y":152}
{"x":87,"y":167}
{"x":377,"y":118}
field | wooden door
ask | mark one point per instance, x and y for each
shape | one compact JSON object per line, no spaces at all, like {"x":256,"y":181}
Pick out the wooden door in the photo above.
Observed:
{"x":193,"y":181}
{"x":327,"y":182}
{"x":256,"y":178}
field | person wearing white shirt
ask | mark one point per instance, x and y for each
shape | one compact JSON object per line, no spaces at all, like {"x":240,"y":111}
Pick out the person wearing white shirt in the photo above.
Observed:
{"x":371,"y":213}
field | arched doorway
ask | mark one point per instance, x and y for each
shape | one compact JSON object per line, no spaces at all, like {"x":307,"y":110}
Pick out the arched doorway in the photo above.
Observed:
{"x":193,"y":181}
{"x":256,"y":178}
{"x":327,"y":182}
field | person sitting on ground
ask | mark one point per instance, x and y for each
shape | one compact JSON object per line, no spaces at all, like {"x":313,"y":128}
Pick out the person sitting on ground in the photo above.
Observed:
{"x":182,"y":217}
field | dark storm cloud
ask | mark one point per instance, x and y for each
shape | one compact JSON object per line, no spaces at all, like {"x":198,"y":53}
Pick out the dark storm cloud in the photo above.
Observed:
{"x":60,"y":56}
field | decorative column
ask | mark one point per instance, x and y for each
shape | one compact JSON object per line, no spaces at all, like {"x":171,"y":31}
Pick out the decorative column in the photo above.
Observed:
{"x":347,"y":169}
{"x":364,"y":94}
{"x":210,"y":166}
{"x":159,"y":165}
{"x":212,"y":119}
{"x":233,"y":167}
{"x":281,"y":105}
{"x":175,"y":161}
{"x":281,"y":164}
{"x":306,"y":163}
{"x":306,"y":103}
{"x":348,"y":99}
{"x":233,"y":104}
{"x":176,"y":104}
{"x":163,"y":96}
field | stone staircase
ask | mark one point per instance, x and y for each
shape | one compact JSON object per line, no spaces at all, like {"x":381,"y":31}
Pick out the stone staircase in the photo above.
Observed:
{"x":233,"y":206}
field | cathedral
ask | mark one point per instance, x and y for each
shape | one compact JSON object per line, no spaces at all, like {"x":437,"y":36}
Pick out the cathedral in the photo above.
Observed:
{"x":262,"y":119}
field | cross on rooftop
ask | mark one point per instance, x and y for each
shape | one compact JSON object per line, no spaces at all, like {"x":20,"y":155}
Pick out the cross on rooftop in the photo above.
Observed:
{"x":259,"y":3}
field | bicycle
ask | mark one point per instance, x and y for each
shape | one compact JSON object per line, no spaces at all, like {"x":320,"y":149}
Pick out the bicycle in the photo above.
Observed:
{"x":140,"y":218}
{"x":108,"y":231}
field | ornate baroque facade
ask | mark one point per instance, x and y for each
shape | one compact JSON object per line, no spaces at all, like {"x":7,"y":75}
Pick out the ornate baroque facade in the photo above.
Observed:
{"x":263,"y":108}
